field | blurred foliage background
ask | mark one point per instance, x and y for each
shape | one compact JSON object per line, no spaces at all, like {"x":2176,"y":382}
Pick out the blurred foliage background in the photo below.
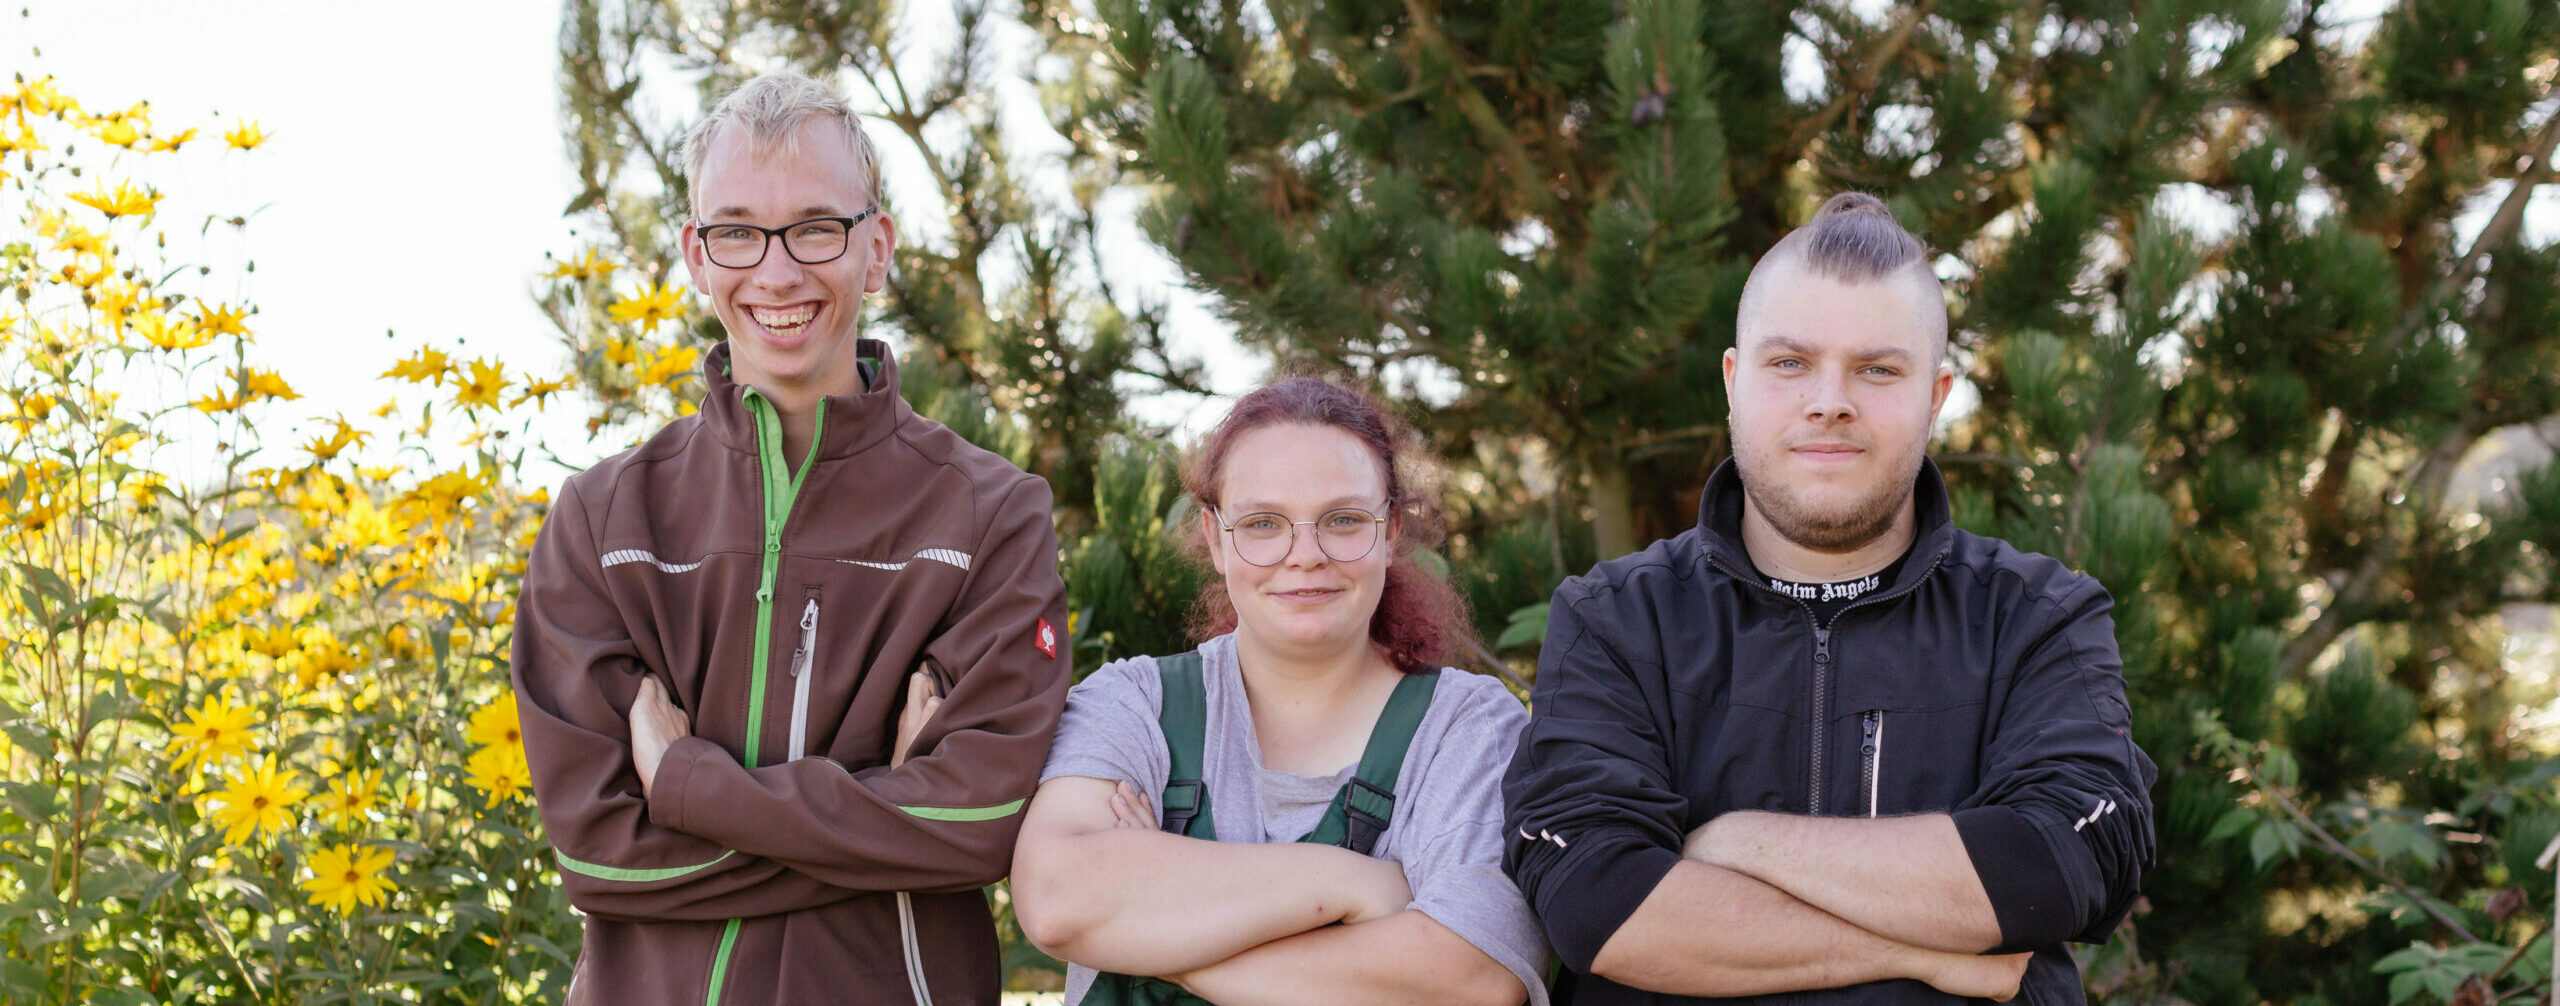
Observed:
{"x":2250,"y":322}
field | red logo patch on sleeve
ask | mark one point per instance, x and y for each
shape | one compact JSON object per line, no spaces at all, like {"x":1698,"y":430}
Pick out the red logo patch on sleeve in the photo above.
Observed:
{"x":1045,"y":637}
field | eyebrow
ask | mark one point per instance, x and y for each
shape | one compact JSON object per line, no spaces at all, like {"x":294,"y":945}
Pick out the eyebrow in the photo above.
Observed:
{"x":1336,"y":503}
{"x":1783,"y":344}
{"x":806,"y":212}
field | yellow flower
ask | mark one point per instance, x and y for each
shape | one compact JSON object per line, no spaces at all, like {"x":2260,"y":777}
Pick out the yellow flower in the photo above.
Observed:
{"x":592,"y":265}
{"x":40,"y":97}
{"x":540,"y":392}
{"x":80,"y":240}
{"x":214,"y":731}
{"x":245,"y":136}
{"x":363,"y":526}
{"x":144,"y":489}
{"x":342,"y":437}
{"x":267,"y":383}
{"x":119,"y":132}
{"x":221,"y":319}
{"x":488,"y":378}
{"x":352,"y":796}
{"x":440,"y":498}
{"x":219,"y":403}
{"x":669,"y":364}
{"x":260,"y":798}
{"x":499,"y":771}
{"x":343,"y":875}
{"x":168,"y":143}
{"x":115,"y":300}
{"x":321,"y":659}
{"x":274,"y":641}
{"x":621,"y":352}
{"x":495,"y":723}
{"x":123,"y":201}
{"x":653,"y":303}
{"x":167,"y":333}
{"x":427,"y":365}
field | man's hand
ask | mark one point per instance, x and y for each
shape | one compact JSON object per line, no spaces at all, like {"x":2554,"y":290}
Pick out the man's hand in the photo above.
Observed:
{"x":655,"y":724}
{"x":1994,"y":978}
{"x":1130,"y":809}
{"x":921,"y":702}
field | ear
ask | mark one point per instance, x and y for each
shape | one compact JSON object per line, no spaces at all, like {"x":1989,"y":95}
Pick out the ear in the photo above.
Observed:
{"x":1209,"y":533}
{"x":884,"y":246}
{"x":694,"y":262}
{"x":1732,"y":357}
{"x":1945,"y":382}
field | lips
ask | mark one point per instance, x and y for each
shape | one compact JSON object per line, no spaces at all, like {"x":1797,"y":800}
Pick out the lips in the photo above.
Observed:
{"x":783,"y":321}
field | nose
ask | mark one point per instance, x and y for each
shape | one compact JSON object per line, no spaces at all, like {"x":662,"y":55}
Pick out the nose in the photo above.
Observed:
{"x":1827,"y":401}
{"x":778,"y":269}
{"x":1305,"y":552}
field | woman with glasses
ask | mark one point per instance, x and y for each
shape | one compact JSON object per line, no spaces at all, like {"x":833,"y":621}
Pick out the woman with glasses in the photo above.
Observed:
{"x":1305,"y":808}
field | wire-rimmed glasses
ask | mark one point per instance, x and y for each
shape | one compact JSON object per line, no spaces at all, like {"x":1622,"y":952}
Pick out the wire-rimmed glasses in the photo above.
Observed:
{"x":1343,"y":534}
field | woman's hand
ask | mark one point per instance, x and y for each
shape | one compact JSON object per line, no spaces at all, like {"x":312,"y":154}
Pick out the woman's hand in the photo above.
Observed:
{"x":656,"y":723}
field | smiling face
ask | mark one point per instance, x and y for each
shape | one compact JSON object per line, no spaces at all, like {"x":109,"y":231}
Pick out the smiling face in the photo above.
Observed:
{"x":1307,"y":606}
{"x":792,"y":327}
{"x":1834,"y":386}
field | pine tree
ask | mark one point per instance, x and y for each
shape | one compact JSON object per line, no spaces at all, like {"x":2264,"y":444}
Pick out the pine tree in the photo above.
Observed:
{"x":2232,"y":334}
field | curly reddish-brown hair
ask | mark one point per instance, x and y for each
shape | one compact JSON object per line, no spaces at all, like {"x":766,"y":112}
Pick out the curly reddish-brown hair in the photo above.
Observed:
{"x":1420,"y":621}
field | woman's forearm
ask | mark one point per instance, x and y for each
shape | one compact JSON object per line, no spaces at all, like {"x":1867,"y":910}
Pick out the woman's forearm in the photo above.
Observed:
{"x":1148,"y":903}
{"x":1407,"y":957}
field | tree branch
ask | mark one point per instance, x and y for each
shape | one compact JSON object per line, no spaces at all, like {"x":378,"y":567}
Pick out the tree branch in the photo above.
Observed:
{"x":2501,"y":227}
{"x":2294,"y":811}
{"x":1870,"y":72}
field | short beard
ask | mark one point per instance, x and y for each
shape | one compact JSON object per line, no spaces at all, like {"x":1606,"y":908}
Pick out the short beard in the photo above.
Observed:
{"x":1837,"y":535}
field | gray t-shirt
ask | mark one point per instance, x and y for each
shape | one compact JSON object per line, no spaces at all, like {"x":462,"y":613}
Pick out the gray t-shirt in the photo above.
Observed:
{"x":1447,"y":831}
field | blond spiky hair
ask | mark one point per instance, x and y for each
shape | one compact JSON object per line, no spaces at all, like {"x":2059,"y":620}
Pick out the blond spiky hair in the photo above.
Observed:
{"x":771,"y":108}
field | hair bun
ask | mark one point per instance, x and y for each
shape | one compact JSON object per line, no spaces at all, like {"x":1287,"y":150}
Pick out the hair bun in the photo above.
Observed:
{"x":1852,"y":202}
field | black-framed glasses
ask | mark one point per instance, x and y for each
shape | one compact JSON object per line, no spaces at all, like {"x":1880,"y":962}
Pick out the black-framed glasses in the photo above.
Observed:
{"x":1343,"y":534}
{"x":814,"y":241}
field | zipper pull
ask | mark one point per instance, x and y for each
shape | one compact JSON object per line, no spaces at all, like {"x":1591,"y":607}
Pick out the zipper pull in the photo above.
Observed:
{"x":808,"y":628}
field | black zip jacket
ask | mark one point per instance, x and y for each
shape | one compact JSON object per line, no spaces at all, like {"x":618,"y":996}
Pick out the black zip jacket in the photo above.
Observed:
{"x":1982,"y":682}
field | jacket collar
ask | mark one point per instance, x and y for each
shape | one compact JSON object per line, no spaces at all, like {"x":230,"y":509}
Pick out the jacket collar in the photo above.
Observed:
{"x":853,"y":422}
{"x":1720,"y":524}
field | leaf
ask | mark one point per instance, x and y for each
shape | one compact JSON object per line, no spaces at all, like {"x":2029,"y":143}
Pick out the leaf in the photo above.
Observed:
{"x":2404,"y":985}
{"x":2413,"y":956}
{"x":2232,"y":822}
{"x":2265,"y":843}
{"x":1528,"y":625}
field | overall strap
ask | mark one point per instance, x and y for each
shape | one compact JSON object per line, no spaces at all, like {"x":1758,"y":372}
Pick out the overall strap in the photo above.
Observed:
{"x":1185,"y":719}
{"x":1362,"y":810}
{"x":1185,"y":806}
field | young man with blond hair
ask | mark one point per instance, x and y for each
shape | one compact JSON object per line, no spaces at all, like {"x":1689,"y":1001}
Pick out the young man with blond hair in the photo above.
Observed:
{"x":1825,"y":747}
{"x":789,"y":669}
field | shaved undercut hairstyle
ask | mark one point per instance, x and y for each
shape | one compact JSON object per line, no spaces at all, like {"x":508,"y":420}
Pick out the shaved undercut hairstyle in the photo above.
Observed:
{"x":771,"y":108}
{"x":1853,"y":238}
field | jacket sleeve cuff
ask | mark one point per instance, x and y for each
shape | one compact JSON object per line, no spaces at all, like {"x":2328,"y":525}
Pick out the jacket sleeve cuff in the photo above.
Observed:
{"x":2029,"y":892}
{"x":1593,"y":892}
{"x":667,"y":792}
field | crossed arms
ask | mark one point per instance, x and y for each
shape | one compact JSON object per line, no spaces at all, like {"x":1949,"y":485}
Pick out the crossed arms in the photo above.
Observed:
{"x":709,"y":838}
{"x":1755,"y":902}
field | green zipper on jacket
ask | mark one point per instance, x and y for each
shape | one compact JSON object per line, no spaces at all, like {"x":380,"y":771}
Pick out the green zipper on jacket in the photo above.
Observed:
{"x":781,"y":488}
